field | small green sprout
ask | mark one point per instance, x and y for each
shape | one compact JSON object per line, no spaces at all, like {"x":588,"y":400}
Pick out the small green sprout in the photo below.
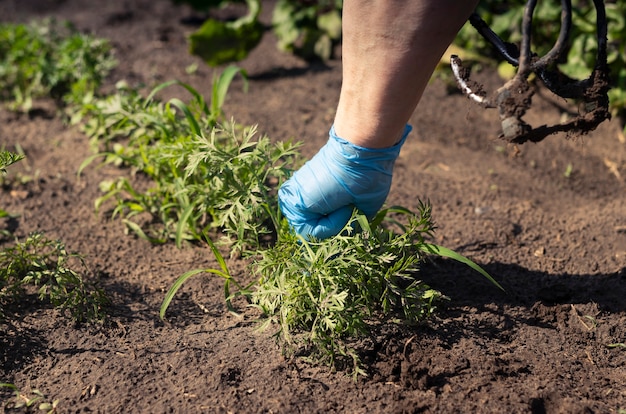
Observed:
{"x":45,"y":264}
{"x":25,"y":401}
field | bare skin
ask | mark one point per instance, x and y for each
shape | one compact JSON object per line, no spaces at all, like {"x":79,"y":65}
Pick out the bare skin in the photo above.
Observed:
{"x":390,"y":50}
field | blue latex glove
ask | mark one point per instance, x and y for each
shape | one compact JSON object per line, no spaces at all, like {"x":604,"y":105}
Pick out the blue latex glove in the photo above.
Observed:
{"x":319,"y":198}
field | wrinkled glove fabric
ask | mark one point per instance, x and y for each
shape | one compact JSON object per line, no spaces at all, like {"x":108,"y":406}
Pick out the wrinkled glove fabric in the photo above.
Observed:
{"x":319,"y":198}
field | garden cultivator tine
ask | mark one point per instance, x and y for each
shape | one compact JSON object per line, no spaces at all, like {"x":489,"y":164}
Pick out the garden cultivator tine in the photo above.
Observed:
{"x":514,"y":98}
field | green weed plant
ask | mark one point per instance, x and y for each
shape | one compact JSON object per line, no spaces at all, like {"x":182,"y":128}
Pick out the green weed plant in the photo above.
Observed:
{"x":323,"y":295}
{"x":50,"y":59}
{"x":47,"y":266}
{"x":28,"y":401}
{"x":7,"y":158}
{"x":202,"y":175}
{"x":309,"y":29}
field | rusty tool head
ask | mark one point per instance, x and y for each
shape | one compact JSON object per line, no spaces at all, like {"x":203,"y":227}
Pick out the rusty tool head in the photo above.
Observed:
{"x":514,"y":98}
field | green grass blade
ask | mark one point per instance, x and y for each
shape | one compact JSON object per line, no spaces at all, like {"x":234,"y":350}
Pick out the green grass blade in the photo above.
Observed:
{"x":198,"y":97}
{"x":365,"y":225}
{"x":88,"y":161}
{"x":159,"y":88}
{"x":140,"y":233}
{"x":445,"y":252}
{"x":189,"y":89}
{"x":228,"y":298}
{"x":218,"y":256}
{"x":221,"y":85}
{"x":191,"y":119}
{"x":175,"y":287}
{"x":182,"y":225}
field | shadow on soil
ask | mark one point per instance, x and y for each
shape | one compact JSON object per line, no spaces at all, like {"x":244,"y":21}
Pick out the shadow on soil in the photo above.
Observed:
{"x":278,"y":72}
{"x":18,"y":346}
{"x":524,"y":287}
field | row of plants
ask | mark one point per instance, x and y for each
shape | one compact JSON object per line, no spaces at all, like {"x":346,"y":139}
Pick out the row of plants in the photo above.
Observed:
{"x":189,"y":175}
{"x":216,"y":181}
{"x":41,"y":266}
{"x":46,"y":60}
{"x":52,"y":60}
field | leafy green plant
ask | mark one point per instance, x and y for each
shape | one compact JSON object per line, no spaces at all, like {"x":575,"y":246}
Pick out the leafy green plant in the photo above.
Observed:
{"x":218,"y":42}
{"x":203,"y":175}
{"x":144,"y":120}
{"x":326,"y":294}
{"x":335,"y":290}
{"x":309,"y":29}
{"x":7,"y":158}
{"x":506,"y":21}
{"x":49,"y":59}
{"x":47,"y":265}
{"x":26,"y":401}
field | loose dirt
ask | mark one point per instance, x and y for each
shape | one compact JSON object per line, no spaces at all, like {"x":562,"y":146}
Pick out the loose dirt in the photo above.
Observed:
{"x":547,"y":220}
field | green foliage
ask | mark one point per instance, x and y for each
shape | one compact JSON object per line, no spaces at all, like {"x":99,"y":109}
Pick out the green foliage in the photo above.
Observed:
{"x":222,"y":272}
{"x":203,"y":175}
{"x":336,"y":288}
{"x":309,"y":29}
{"x":7,"y":158}
{"x":46,"y":58}
{"x":323,"y":295}
{"x":218,"y":42}
{"x":23,"y":400}
{"x":507,"y":23}
{"x":46,"y":265}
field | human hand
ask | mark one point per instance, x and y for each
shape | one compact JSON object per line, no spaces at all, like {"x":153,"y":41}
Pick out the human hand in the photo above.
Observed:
{"x":319,"y":198}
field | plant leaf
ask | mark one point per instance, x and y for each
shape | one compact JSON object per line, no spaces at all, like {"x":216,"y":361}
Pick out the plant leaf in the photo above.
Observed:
{"x":445,"y":252}
{"x":174,"y":288}
{"x":219,"y":42}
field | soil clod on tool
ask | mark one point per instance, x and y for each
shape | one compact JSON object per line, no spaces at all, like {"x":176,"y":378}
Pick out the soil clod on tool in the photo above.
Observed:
{"x":514,"y":98}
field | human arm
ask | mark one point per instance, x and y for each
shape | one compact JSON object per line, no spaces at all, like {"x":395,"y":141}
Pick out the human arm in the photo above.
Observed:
{"x":389,"y":50}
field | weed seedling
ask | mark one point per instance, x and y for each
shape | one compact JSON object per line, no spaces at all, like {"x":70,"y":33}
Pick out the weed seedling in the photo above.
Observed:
{"x":25,"y":401}
{"x":324,"y":294}
{"x":333,"y":289}
{"x":50,"y":59}
{"x":45,"y":265}
{"x":6,"y":158}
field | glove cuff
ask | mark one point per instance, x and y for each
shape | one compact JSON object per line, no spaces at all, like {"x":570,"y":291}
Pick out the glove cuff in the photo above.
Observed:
{"x":359,"y":154}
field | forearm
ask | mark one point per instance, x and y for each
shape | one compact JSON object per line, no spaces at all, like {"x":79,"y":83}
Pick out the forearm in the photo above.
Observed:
{"x":390,"y":49}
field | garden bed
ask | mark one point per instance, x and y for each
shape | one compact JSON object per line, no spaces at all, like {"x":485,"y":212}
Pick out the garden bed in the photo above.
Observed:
{"x":547,"y":220}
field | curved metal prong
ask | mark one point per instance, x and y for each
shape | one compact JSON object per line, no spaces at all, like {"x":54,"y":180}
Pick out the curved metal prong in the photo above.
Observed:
{"x":514,"y":98}
{"x":461,"y":75}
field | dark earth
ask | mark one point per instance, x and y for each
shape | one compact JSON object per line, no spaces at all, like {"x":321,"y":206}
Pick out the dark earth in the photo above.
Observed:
{"x":547,"y":220}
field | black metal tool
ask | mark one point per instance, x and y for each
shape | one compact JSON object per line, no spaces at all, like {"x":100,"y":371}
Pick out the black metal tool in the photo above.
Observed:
{"x":514,"y":98}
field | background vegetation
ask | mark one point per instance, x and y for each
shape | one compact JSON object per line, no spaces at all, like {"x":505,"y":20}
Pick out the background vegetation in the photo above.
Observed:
{"x":311,"y":29}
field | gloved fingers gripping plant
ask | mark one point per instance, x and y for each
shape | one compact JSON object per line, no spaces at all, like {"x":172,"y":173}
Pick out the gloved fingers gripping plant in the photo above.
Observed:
{"x":318,"y":200}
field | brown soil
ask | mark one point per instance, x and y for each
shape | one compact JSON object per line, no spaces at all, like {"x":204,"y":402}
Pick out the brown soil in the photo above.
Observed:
{"x":556,"y":241}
